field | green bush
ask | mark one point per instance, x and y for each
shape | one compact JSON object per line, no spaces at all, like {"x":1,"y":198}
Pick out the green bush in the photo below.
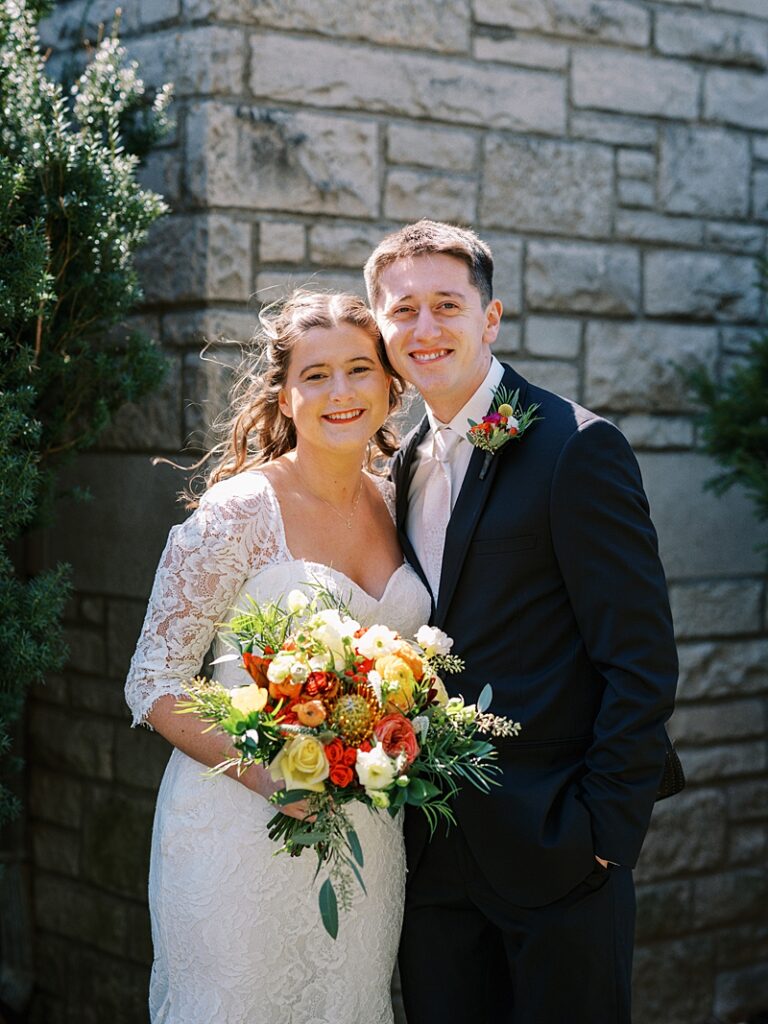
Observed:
{"x":734,"y":421}
{"x":71,"y":218}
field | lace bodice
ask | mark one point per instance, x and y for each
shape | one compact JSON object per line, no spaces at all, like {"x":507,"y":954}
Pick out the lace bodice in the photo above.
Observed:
{"x":232,"y":545}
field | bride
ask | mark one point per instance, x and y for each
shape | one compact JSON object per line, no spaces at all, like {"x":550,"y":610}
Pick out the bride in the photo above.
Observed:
{"x":236,"y":930}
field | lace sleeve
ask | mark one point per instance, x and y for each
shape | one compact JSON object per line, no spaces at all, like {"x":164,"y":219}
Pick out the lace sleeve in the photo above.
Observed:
{"x":234,"y":532}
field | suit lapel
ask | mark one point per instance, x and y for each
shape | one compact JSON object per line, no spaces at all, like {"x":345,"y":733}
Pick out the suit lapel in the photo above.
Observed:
{"x":401,"y":475}
{"x":470,"y":503}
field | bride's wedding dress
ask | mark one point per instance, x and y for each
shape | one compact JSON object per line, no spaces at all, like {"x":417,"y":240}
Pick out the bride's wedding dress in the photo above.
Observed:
{"x":236,"y":929}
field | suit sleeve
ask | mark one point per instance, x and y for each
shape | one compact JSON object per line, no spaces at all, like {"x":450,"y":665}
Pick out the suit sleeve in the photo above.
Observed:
{"x":607,"y":550}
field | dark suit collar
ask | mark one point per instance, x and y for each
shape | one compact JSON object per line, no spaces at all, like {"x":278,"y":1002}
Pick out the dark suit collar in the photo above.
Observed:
{"x":402,"y":471}
{"x":471,"y":500}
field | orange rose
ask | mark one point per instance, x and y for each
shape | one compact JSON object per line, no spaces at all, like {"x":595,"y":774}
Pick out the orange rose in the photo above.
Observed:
{"x":395,"y":734}
{"x":341,"y":775}
{"x":289,"y":690}
{"x":334,"y":751}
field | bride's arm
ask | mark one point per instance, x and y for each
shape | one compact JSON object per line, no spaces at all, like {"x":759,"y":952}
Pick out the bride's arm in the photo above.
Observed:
{"x":200,"y":573}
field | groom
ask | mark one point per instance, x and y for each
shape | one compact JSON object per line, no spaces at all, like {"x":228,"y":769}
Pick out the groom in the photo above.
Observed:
{"x":545,"y":570}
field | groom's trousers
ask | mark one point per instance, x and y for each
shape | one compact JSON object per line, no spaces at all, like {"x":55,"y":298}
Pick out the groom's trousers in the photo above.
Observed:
{"x":468,"y":956}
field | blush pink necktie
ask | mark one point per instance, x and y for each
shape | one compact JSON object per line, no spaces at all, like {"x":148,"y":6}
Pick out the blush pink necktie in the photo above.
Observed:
{"x":436,"y":508}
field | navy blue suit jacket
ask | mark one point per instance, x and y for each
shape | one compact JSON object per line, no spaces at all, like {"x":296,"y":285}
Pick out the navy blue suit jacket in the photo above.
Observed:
{"x":554,"y":593}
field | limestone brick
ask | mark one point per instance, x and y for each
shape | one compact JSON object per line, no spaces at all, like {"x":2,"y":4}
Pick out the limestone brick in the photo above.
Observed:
{"x":712,"y":37}
{"x":748,"y":845}
{"x":760,"y":195}
{"x":507,"y":270}
{"x":635,"y":366}
{"x":77,"y":744}
{"x":161,"y":172}
{"x":747,"y":800}
{"x":648,"y":226}
{"x":410,"y":23}
{"x":281,"y":242}
{"x":736,"y":97}
{"x":507,"y":344}
{"x":174,"y":56}
{"x":435,"y":148}
{"x":704,"y":171}
{"x":714,"y":669}
{"x":410,"y":195}
{"x":100,"y":696}
{"x":737,"y":340}
{"x":755,"y":7}
{"x":673,"y":980}
{"x":701,"y":286}
{"x":527,"y":51}
{"x":636,"y":163}
{"x":540,"y":185}
{"x":611,"y":128}
{"x":54,"y":797}
{"x":613,"y":21}
{"x":718,"y":609}
{"x":731,"y":720}
{"x":657,"y":432}
{"x":56,"y":849}
{"x":636,"y":193}
{"x":126,"y":524}
{"x":663,"y":909}
{"x":195,"y":328}
{"x":633,"y":83}
{"x":687,"y":833}
{"x":78,"y":912}
{"x":741,"y":993}
{"x":342,"y":245}
{"x":140,"y":758}
{"x":264,"y":159}
{"x":207,"y":379}
{"x":736,"y":237}
{"x":272,"y":285}
{"x":567,"y":277}
{"x":154,"y":423}
{"x":553,"y":336}
{"x":555,"y":375}
{"x":760,"y":147}
{"x":318,"y":73}
{"x":726,"y":761}
{"x":690,"y":520}
{"x":117,"y":832}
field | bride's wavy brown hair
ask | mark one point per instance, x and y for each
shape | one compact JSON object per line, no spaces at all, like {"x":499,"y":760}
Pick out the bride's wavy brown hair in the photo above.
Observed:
{"x":256,"y":431}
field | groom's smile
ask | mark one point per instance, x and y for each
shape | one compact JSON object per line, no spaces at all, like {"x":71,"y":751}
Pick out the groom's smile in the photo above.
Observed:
{"x":437,"y":332}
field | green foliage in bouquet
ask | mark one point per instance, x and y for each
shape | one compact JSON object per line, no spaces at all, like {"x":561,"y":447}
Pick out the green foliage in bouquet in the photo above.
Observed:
{"x":71,"y":218}
{"x":734,"y":421}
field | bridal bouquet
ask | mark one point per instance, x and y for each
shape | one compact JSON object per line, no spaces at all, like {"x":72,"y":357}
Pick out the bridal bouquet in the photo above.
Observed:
{"x":341,"y":712}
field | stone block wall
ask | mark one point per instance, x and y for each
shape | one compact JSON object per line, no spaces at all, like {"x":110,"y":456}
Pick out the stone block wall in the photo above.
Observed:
{"x":615,"y":155}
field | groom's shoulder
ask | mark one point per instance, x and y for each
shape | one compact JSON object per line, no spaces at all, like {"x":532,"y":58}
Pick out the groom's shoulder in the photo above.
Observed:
{"x":561,"y":417}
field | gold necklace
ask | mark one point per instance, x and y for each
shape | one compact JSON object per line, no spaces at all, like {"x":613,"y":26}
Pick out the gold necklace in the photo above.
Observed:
{"x":347,"y":520}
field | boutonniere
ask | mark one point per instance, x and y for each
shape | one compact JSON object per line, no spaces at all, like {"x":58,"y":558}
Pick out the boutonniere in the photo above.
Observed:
{"x":505,"y":422}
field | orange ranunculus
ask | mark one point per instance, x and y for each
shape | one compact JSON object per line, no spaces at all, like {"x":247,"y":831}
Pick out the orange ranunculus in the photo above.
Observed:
{"x":311,"y":713}
{"x":412,"y":660}
{"x":341,"y":774}
{"x":288,"y":690}
{"x":321,"y":684}
{"x":395,"y":734}
{"x":256,"y":668}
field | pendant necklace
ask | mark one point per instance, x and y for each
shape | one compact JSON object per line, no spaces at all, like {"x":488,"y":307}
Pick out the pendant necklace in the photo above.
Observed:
{"x":347,"y":520}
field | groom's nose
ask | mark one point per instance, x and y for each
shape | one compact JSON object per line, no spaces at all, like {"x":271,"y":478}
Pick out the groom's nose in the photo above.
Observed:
{"x":426,"y":327}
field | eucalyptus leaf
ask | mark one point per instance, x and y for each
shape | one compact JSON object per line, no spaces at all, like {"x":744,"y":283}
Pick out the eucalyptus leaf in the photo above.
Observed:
{"x":355,"y":847}
{"x":485,"y":698}
{"x":329,"y":908}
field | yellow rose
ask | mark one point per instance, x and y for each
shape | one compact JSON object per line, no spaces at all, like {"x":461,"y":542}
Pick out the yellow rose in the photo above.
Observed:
{"x":248,"y":698}
{"x":302,"y":764}
{"x":398,"y":682}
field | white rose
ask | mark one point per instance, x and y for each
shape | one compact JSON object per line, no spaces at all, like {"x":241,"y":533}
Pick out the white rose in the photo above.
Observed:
{"x":433,"y":641}
{"x":375,"y":769}
{"x":376,"y":641}
{"x":296,"y":602}
{"x":280,"y":668}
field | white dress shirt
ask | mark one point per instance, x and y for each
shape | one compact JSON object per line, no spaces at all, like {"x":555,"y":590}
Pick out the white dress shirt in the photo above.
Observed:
{"x":477,"y":407}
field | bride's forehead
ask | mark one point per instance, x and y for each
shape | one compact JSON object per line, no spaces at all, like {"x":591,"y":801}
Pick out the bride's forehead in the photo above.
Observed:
{"x":338,"y":343}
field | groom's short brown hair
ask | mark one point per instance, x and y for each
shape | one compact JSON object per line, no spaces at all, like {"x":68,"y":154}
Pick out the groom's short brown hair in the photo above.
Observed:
{"x":426,"y":238}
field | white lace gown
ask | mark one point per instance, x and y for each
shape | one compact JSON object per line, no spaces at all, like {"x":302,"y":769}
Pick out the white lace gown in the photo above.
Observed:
{"x":236,"y":930}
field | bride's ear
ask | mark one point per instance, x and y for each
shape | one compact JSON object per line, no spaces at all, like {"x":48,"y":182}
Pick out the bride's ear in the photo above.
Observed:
{"x":283,"y":404}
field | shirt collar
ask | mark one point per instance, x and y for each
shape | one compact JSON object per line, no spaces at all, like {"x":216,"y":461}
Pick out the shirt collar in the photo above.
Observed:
{"x":477,"y":406}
